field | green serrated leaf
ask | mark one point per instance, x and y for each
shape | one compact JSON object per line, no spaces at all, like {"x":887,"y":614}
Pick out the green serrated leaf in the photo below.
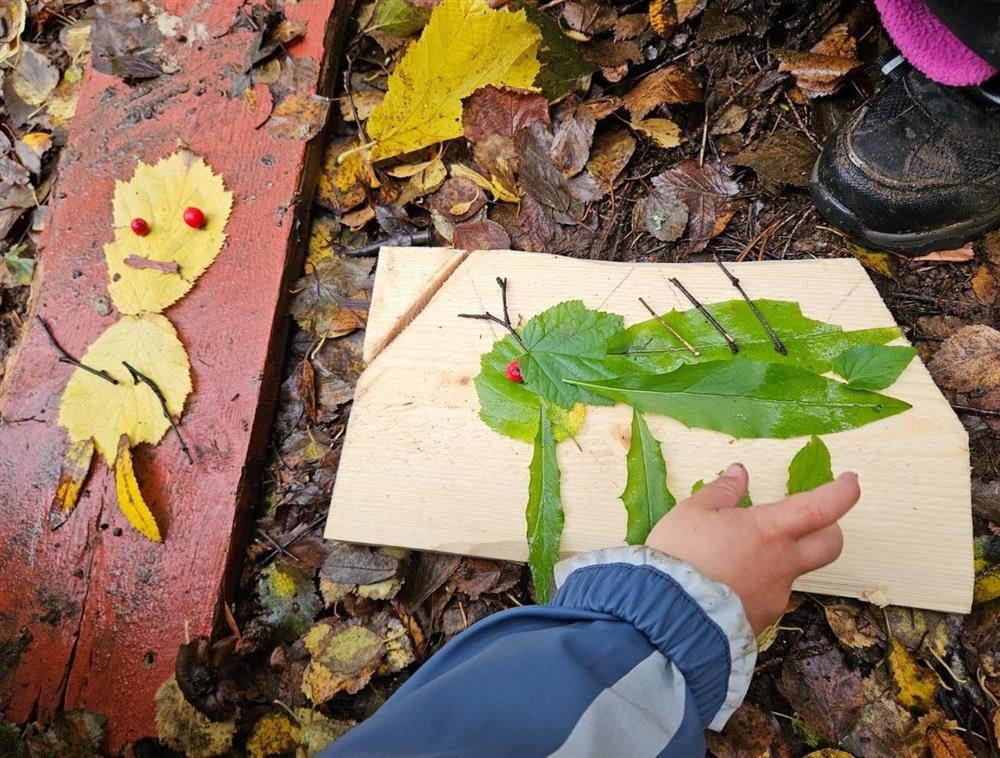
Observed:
{"x":565,"y":342}
{"x":511,"y":408}
{"x":745,"y":501}
{"x":873,"y":367}
{"x":810,"y":468}
{"x":747,"y":398}
{"x":397,"y":18}
{"x":563,"y":67}
{"x":544,"y":513}
{"x":812,"y":345}
{"x":646,"y":496}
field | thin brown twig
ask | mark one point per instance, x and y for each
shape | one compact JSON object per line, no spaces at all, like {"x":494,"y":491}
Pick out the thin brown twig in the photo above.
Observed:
{"x":663,"y":322}
{"x":779,"y":346}
{"x":138,"y":376}
{"x":505,"y":321}
{"x":733,"y":346}
{"x":67,"y":358}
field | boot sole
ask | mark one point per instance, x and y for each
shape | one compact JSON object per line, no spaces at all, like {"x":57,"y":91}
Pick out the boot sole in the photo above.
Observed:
{"x":912,"y":243}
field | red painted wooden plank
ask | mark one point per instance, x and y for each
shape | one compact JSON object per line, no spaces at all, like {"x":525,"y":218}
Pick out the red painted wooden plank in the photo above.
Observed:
{"x":91,"y":615}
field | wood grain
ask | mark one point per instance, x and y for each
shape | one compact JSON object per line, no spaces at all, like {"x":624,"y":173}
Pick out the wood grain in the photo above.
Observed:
{"x":420,"y":470}
{"x":91,"y":615}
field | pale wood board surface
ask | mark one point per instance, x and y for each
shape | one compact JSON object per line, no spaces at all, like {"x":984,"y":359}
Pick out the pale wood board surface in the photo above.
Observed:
{"x":420,"y":470}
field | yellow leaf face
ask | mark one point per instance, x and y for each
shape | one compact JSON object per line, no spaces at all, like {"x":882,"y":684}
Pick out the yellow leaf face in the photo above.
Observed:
{"x":93,"y":408}
{"x":465,"y":45}
{"x":130,"y":497}
{"x":152,"y":272}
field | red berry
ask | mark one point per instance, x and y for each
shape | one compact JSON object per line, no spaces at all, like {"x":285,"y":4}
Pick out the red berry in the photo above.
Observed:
{"x":514,"y":371}
{"x":140,"y":226}
{"x":194,"y":218}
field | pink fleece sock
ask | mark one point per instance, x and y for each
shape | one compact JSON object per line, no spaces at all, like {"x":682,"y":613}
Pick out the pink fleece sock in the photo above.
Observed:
{"x":930,"y":46}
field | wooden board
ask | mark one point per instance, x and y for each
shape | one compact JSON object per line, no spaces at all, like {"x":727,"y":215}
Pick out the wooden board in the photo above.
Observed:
{"x":420,"y":470}
{"x":91,"y":615}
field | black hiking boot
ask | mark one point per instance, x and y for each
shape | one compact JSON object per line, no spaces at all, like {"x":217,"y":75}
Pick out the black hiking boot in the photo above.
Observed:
{"x":915,"y":169}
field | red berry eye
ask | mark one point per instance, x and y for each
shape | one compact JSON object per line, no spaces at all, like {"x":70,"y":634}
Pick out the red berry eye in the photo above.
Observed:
{"x":140,"y":226}
{"x":194,"y":218}
{"x":514,"y":371}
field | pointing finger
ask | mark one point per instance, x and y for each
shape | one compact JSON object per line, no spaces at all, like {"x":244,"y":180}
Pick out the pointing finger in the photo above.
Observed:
{"x":724,"y":492}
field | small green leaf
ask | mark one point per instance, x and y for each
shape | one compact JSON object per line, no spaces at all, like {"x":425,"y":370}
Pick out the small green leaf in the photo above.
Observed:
{"x":397,"y":18}
{"x":511,"y":408}
{"x":562,"y":67}
{"x":544,"y":513}
{"x":750,"y":399}
{"x":565,"y":342}
{"x":873,"y":367}
{"x":20,"y":268}
{"x":745,"y":501}
{"x":811,"y":344}
{"x":646,"y":496}
{"x":810,"y":468}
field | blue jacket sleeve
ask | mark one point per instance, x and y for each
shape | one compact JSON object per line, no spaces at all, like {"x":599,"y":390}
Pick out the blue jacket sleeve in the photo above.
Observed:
{"x":636,"y":655}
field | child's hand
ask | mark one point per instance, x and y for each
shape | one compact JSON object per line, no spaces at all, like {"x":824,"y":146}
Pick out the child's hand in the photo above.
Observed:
{"x":757,"y":551}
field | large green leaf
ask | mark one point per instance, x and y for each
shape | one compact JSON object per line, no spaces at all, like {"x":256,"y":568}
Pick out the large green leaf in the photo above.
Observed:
{"x":646,"y":496}
{"x":750,"y":399}
{"x":511,"y":408}
{"x":544,"y":513}
{"x":810,"y":468}
{"x":873,"y":367}
{"x":565,"y":342}
{"x":811,"y":344}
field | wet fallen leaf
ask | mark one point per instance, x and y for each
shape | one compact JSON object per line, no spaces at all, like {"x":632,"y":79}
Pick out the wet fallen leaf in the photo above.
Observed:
{"x":426,"y":89}
{"x":31,"y":148}
{"x":984,"y":285}
{"x":563,"y":68}
{"x":430,"y":176}
{"x":125,"y":43}
{"x":344,"y":657}
{"x":916,"y":686}
{"x":666,"y":86}
{"x":299,"y":116}
{"x":631,"y":25}
{"x":663,"y":17}
{"x":12,"y":17}
{"x":855,"y":626}
{"x":492,"y":111}
{"x":34,"y":77}
{"x":947,"y":744}
{"x":707,"y":191}
{"x":573,"y":133}
{"x":872,"y":260}
{"x":749,"y":732}
{"x":273,"y":734}
{"x":611,"y":152}
{"x":73,"y":734}
{"x":688,"y":8}
{"x":345,"y":178}
{"x":72,"y":476}
{"x":885,"y":729}
{"x":589,"y":17}
{"x":316,"y":731}
{"x":987,"y":585}
{"x":288,"y":599}
{"x":961,"y":255}
{"x":780,"y":159}
{"x":365,"y":101}
{"x":662,"y":131}
{"x":480,"y":234}
{"x":182,"y":727}
{"x":534,"y":229}
{"x":969,"y":360}
{"x":333,"y":299}
{"x":540,"y":177}
{"x":719,"y":24}
{"x":823,"y":69}
{"x":458,"y":199}
{"x":824,"y":692}
{"x":923,"y":630}
{"x":731,"y":120}
{"x":397,"y":18}
{"x":358,"y":564}
{"x":662,"y":215}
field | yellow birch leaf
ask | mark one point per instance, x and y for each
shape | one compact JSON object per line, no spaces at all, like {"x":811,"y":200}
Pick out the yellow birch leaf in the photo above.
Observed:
{"x":465,"y":45}
{"x":75,"y":467}
{"x":93,"y":408}
{"x":917,"y":686}
{"x":493,"y":186}
{"x":663,"y":131}
{"x":159,"y":194}
{"x":130,"y":497}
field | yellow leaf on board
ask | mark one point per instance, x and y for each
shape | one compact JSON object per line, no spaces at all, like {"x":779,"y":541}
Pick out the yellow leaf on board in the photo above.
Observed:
{"x":130,"y":497}
{"x":663,"y":131}
{"x":93,"y":408}
{"x":75,"y":467}
{"x":916,"y":685}
{"x":465,"y":45}
{"x":159,"y":194}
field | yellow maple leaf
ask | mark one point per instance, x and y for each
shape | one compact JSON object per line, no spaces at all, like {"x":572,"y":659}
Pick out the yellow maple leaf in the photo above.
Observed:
{"x":465,"y":45}
{"x":149,"y":273}
{"x":130,"y":498}
{"x":93,"y":408}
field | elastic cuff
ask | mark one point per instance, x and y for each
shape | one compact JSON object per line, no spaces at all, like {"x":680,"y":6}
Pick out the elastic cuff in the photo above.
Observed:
{"x":693,"y":621}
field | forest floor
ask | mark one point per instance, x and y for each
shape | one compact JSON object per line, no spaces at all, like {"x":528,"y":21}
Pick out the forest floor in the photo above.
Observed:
{"x":725,"y":100}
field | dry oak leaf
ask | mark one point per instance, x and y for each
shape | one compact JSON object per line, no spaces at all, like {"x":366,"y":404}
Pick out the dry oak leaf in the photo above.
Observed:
{"x":824,"y":68}
{"x":708,"y":193}
{"x":969,"y":360}
{"x":333,"y":299}
{"x":93,"y":408}
{"x":159,"y":194}
{"x":344,"y":657}
{"x":667,"y":86}
{"x":502,"y":111}
{"x":465,"y":45}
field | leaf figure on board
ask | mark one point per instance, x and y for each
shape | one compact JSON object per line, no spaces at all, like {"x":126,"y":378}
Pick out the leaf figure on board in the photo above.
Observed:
{"x":159,"y":194}
{"x":749,"y":399}
{"x":646,"y":496}
{"x":811,"y":344}
{"x":130,"y":498}
{"x":465,"y":45}
{"x":75,"y":467}
{"x":810,"y":468}
{"x":873,"y":367}
{"x":544,"y":513}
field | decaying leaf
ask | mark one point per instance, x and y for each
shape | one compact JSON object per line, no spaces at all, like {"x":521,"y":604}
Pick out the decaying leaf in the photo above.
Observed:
{"x":916,"y":686}
{"x":824,"y":692}
{"x":707,"y":191}
{"x":345,"y":177}
{"x":92,"y":408}
{"x":501,"y":111}
{"x":855,"y":626}
{"x":130,"y":498}
{"x":885,"y":729}
{"x":969,"y":360}
{"x":34,"y":77}
{"x":541,"y":178}
{"x":316,"y":731}
{"x":480,"y":234}
{"x":944,"y":743}
{"x":72,"y":475}
{"x":12,"y":17}
{"x":665,"y":86}
{"x":663,"y":216}
{"x":963,"y":254}
{"x":824,"y":68}
{"x":159,"y":194}
{"x":750,"y":732}
{"x":182,"y":727}
{"x":563,"y":68}
{"x":397,"y":18}
{"x":125,"y":43}
{"x":287,"y":595}
{"x":73,"y":734}
{"x":273,"y":734}
{"x":663,"y":17}
{"x":662,"y":131}
{"x":299,"y":116}
{"x":343,"y":658}
{"x":610,"y":154}
{"x":782,"y":158}
{"x":573,"y":134}
{"x":872,"y":259}
{"x":984,"y":285}
{"x":465,"y":45}
{"x":333,"y":299}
